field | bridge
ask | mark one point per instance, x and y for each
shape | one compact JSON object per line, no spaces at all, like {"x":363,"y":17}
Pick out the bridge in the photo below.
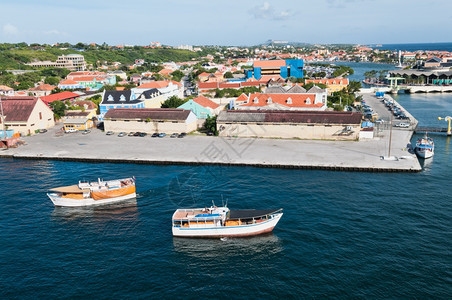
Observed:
{"x":430,"y":129}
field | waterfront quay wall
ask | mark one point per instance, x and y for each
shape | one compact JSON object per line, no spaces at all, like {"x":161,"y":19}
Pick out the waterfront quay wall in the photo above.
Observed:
{"x":410,"y":89}
{"x":365,"y":156}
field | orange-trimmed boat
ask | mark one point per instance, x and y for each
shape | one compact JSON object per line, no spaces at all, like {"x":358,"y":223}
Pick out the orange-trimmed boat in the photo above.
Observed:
{"x":92,"y":193}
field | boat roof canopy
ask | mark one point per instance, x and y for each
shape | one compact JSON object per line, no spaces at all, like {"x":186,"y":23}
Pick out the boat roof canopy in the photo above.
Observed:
{"x":71,"y":189}
{"x":250,"y":213}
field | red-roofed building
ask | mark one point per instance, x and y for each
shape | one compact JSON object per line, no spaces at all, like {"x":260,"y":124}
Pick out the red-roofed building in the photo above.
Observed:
{"x":333,"y":84}
{"x":68,"y":84}
{"x":330,"y":125}
{"x":168,"y":88}
{"x":258,"y":101}
{"x":63,"y":96}
{"x":26,"y":115}
{"x":41,"y":90}
{"x":6,"y":90}
{"x":202,"y":107}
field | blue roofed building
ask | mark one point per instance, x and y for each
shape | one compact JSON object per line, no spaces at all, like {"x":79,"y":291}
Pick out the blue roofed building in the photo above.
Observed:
{"x":119,"y":99}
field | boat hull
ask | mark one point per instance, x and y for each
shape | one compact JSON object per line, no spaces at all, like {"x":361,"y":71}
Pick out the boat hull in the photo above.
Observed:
{"x":422,"y":153}
{"x":228,"y":231}
{"x":60,"y":201}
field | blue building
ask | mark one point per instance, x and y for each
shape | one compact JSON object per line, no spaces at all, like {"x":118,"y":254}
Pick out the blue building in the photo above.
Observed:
{"x":119,"y":99}
{"x":283,"y":68}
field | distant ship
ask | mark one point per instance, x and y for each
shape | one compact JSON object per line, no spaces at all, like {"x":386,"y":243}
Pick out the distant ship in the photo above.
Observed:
{"x":221,"y":222}
{"x":92,"y":193}
{"x":425,"y":147}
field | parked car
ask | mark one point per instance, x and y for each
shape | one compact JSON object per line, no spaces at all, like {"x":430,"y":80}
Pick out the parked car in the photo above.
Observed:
{"x":182,"y":135}
{"x":155,"y":134}
{"x":109,"y":132}
{"x":402,"y":125}
{"x":137,"y":133}
{"x":121,"y":134}
{"x":42,"y":130}
{"x":70,"y":130}
{"x":143,"y":134}
{"x":162,"y":135}
{"x":131,"y":133}
{"x":174,"y":135}
{"x":86,"y":131}
{"x":210,"y":133}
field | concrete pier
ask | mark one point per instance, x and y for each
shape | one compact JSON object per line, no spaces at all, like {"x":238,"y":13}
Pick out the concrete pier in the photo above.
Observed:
{"x":207,"y":150}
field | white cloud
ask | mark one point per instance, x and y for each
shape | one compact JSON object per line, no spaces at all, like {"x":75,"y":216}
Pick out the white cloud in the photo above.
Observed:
{"x":10,"y":29}
{"x":266,"y":11}
{"x":53,"y":31}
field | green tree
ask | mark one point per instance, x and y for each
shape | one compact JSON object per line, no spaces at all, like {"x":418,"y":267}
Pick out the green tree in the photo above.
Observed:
{"x":228,"y":75}
{"x":58,"y":108}
{"x":211,"y":125}
{"x":177,"y":75}
{"x":52,"y":80}
{"x":173,"y":102}
{"x":353,"y":87}
{"x":97,"y":99}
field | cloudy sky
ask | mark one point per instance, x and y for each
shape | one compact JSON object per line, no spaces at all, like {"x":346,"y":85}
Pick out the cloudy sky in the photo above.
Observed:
{"x":225,"y":22}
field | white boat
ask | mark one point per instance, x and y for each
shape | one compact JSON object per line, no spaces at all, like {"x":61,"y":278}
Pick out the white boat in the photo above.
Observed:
{"x":222,"y":222}
{"x":93,"y":193}
{"x":425,"y":147}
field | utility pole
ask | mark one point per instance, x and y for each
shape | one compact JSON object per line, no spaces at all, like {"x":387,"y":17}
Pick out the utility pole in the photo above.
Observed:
{"x":3,"y":119}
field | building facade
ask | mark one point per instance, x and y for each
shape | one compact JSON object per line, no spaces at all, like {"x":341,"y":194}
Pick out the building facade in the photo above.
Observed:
{"x":290,"y":124}
{"x":118,"y":99}
{"x":73,"y":62}
{"x":150,"y":120}
{"x":26,"y":115}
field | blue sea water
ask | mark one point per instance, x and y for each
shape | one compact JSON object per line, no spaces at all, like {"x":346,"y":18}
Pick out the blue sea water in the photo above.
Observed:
{"x":343,"y":234}
{"x":417,"y":46}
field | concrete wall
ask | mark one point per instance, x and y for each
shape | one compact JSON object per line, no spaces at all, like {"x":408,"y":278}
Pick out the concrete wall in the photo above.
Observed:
{"x":167,"y":127}
{"x":155,"y":102}
{"x":289,"y":130}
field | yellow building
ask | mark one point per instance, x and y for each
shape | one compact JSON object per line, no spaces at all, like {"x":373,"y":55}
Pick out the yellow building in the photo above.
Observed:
{"x":333,"y":84}
{"x":79,"y":120}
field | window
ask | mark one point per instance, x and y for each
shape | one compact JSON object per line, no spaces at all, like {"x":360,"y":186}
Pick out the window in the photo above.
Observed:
{"x":40,"y":115}
{"x":269,"y":100}
{"x":122,"y":98}
{"x":255,"y":100}
{"x":289,"y":100}
{"x":110,"y":98}
{"x":308,"y":100}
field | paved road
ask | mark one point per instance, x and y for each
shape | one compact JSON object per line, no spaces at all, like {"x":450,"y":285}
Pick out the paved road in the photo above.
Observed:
{"x":350,"y":155}
{"x":385,"y":114}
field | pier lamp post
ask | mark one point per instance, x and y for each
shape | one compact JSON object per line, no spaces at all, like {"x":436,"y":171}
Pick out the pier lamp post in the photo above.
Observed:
{"x":447,"y":119}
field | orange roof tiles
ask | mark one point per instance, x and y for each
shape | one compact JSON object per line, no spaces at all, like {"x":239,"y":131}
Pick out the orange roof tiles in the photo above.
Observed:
{"x":42,"y":87}
{"x":165,"y":72}
{"x":242,"y":97}
{"x":208,"y":85}
{"x":330,"y":81}
{"x":269,"y":63}
{"x":5,"y":88}
{"x":68,"y":82}
{"x":60,"y":96}
{"x":154,"y":85}
{"x":205,"y":102}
